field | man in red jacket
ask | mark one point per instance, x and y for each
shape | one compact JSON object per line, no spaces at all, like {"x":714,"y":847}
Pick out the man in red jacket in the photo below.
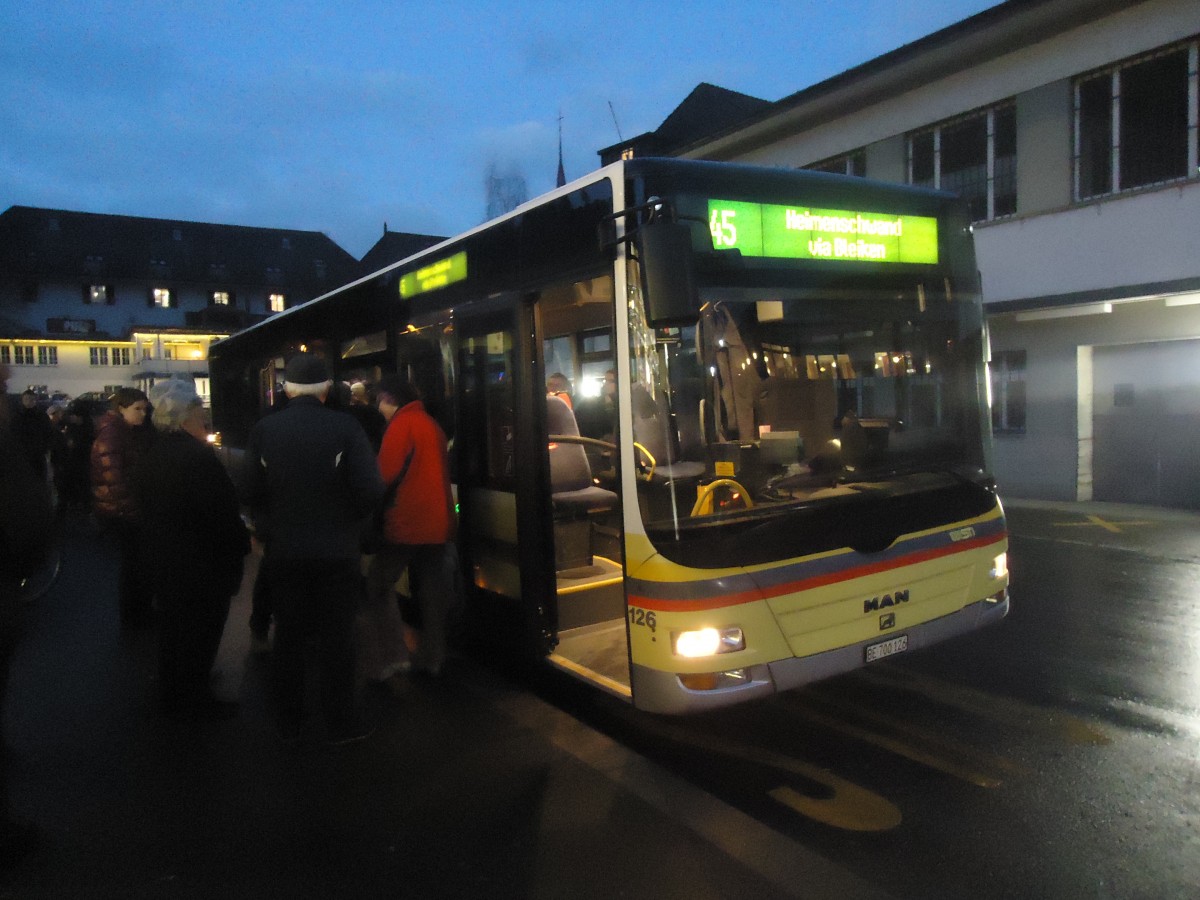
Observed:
{"x":419,"y":525}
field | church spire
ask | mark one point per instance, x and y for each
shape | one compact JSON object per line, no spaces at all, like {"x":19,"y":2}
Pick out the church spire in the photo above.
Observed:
{"x":562,"y":175}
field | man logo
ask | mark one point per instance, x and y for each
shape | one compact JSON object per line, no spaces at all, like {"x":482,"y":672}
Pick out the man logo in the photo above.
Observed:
{"x":886,"y":621}
{"x":877,"y":603}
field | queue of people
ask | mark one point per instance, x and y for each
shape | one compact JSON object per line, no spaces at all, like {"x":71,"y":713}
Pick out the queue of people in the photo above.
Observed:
{"x":314,"y":471}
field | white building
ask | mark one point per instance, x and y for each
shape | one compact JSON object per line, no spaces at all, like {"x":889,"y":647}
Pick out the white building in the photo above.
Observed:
{"x":90,"y":302}
{"x":1071,"y":128}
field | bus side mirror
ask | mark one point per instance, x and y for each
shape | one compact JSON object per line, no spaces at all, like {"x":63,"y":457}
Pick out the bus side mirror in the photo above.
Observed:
{"x":668,"y":273}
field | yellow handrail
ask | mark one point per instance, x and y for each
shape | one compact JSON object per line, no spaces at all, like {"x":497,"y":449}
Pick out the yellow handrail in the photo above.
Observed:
{"x":704,"y":494}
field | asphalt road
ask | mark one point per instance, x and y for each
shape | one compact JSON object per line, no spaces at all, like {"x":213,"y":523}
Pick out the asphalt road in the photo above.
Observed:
{"x":1056,"y":755}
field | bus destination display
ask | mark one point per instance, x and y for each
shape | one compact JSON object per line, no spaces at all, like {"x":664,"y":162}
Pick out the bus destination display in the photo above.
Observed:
{"x":803,"y":232}
{"x":435,"y":275}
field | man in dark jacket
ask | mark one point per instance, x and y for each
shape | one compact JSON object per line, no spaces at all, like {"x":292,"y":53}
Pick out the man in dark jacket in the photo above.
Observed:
{"x":311,"y":479}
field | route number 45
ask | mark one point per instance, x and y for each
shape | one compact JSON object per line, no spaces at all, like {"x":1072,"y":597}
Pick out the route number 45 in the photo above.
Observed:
{"x":723,"y":228}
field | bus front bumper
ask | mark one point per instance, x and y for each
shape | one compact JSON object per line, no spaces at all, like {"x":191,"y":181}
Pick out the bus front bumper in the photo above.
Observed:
{"x":656,"y":691}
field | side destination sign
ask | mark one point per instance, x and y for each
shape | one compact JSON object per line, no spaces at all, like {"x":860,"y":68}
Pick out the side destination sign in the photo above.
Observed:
{"x":802,"y":232}
{"x":435,"y":275}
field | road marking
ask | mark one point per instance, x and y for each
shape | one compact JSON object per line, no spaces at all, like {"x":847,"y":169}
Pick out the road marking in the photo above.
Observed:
{"x":848,"y":806}
{"x":946,"y":755}
{"x":795,"y":869}
{"x":851,"y":809}
{"x":1097,"y":522}
{"x":1004,"y":710}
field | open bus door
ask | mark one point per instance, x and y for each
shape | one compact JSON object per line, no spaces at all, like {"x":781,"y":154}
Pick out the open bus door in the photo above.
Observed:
{"x":574,"y":337}
{"x":506,"y":526}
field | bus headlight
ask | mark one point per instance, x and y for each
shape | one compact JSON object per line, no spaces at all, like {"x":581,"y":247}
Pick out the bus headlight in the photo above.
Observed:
{"x":707,"y":641}
{"x":999,"y":567}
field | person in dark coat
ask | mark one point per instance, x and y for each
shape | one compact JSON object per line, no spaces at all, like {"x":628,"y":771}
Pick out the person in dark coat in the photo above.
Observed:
{"x":122,"y":440}
{"x":194,"y":543}
{"x":79,"y":431}
{"x":34,"y":433}
{"x":27,"y":566}
{"x":311,"y":480}
{"x":370,"y":418}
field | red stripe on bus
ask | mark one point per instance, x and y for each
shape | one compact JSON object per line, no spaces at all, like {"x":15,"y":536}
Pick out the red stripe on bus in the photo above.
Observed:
{"x":805,"y":584}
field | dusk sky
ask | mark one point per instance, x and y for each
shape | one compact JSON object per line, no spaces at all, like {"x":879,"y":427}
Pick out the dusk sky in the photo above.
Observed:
{"x":340,"y":117}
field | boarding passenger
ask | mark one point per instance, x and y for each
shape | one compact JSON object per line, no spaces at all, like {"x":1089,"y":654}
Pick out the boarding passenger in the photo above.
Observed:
{"x":194,"y":544}
{"x":122,"y":440}
{"x":260,"y":598}
{"x":371,"y":420}
{"x":558,"y":385}
{"x":311,"y":481}
{"x":418,"y":530}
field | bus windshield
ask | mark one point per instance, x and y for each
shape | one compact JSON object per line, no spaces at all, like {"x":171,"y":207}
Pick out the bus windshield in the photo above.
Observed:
{"x":834,"y":402}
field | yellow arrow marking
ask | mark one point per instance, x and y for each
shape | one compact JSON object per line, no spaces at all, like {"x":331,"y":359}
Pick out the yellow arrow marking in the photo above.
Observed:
{"x":1096,"y":521}
{"x":848,"y":806}
{"x":851,"y":808}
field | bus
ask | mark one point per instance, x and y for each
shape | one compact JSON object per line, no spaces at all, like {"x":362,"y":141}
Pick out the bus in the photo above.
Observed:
{"x":772,"y":465}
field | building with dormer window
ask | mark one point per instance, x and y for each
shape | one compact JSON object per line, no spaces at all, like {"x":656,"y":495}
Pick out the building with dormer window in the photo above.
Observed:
{"x":89,"y":301}
{"x":1070,"y":127}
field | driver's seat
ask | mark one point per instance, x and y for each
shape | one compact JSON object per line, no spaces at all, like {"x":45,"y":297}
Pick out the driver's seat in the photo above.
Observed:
{"x":571,"y":485}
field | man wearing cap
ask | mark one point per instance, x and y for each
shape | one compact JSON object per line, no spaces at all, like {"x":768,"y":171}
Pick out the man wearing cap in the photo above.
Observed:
{"x":311,"y":479}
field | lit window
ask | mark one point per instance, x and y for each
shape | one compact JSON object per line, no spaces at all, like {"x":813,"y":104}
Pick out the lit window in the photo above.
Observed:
{"x":220,"y":298}
{"x":162,"y":298}
{"x":627,"y":153}
{"x":277,"y":303}
{"x":974,"y":156}
{"x":97,"y":293}
{"x":1135,"y":124}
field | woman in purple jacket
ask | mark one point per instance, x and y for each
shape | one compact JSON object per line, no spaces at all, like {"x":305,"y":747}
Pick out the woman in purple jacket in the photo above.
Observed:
{"x":122,"y":439}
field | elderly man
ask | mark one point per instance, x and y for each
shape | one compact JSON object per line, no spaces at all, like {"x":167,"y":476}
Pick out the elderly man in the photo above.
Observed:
{"x":311,"y":479}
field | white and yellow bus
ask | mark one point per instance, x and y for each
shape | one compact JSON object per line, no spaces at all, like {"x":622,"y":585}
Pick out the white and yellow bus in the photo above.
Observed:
{"x":772,"y":462}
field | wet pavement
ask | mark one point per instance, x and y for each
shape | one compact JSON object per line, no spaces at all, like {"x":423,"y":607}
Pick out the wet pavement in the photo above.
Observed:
{"x":1156,"y":532}
{"x":470,"y":787}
